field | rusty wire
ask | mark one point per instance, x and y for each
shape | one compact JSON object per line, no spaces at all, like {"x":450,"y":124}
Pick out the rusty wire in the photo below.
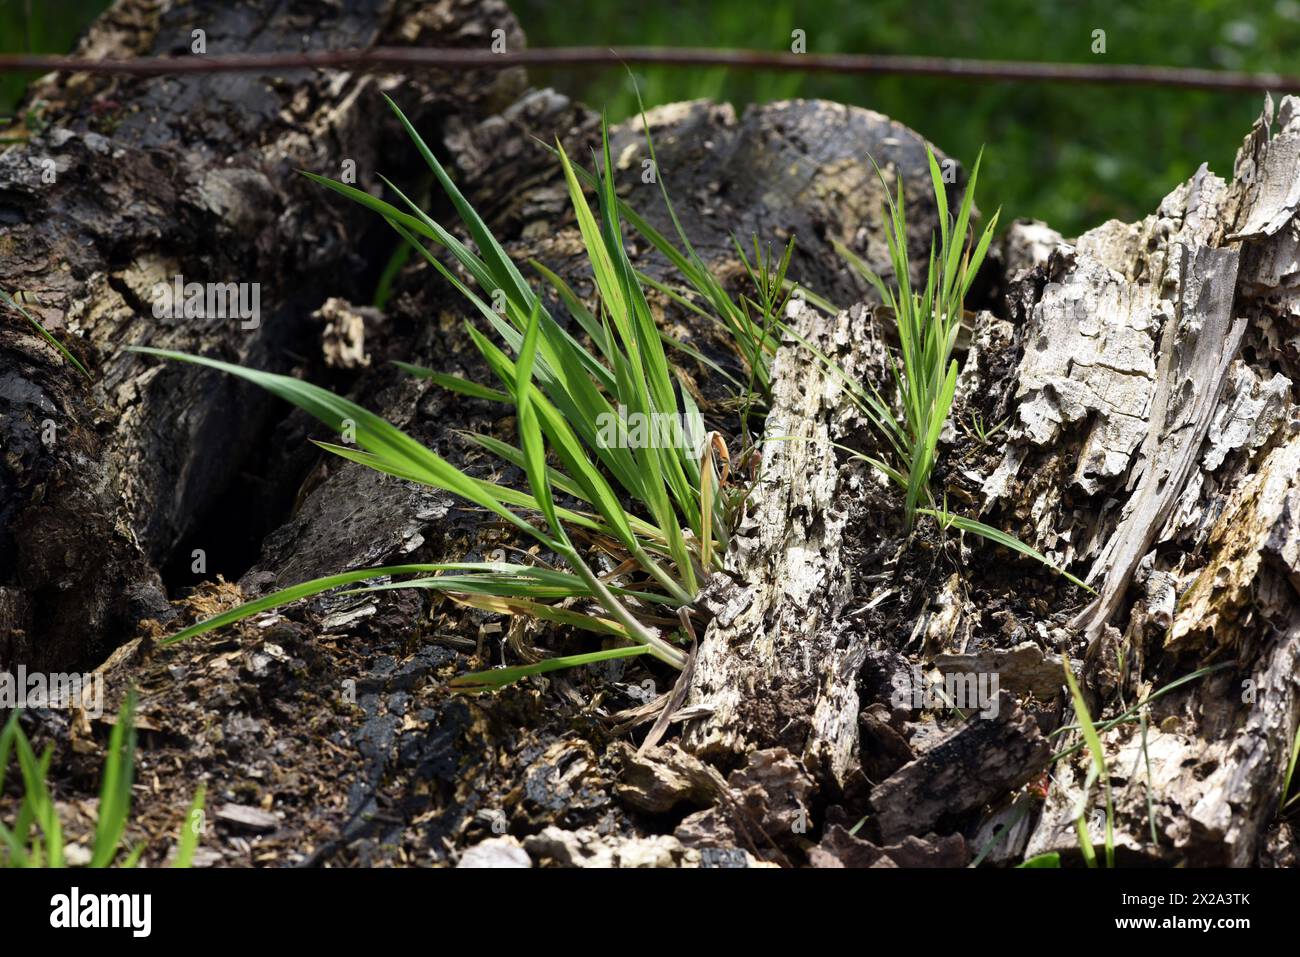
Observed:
{"x":838,"y":63}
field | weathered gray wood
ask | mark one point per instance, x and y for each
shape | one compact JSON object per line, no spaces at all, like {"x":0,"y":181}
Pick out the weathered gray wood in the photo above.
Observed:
{"x":1206,"y":529}
{"x":777,"y":665}
{"x":774,"y":645}
{"x":1024,"y":669}
{"x":1198,"y":343}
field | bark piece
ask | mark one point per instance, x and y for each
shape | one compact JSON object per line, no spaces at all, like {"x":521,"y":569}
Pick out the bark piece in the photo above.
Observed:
{"x":664,"y":777}
{"x":562,"y":780}
{"x":1259,"y":525}
{"x":1023,"y":669}
{"x":882,"y":748}
{"x":765,"y":807}
{"x":839,"y":848}
{"x":977,"y":762}
{"x":496,"y":852}
{"x":1104,"y":324}
{"x":247,"y":818}
{"x":1002,"y":836}
{"x":1026,"y":245}
{"x":1216,"y":761}
{"x":944,"y":622}
{"x":586,"y":848}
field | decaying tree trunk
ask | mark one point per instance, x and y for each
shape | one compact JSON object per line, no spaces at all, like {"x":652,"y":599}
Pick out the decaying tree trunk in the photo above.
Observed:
{"x":1145,"y":373}
{"x":127,"y":184}
{"x":776,"y":665}
{"x":1143,"y":439}
{"x":1206,"y":525}
{"x":194,"y":177}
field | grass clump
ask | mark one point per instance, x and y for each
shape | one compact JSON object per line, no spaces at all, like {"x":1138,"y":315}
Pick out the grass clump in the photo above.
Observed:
{"x":927,"y":320}
{"x":925,"y":372}
{"x":658,"y":513}
{"x":35,"y":837}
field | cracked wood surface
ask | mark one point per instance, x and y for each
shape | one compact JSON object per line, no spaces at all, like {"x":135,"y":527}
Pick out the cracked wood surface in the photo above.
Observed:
{"x":1201,"y":515}
{"x":775,"y":653}
{"x":1149,"y":370}
{"x":155,"y":178}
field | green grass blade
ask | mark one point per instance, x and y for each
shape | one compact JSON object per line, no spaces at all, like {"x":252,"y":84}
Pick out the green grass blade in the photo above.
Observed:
{"x":453,"y":383}
{"x":39,"y":801}
{"x":7,"y":735}
{"x":394,"y":447}
{"x":526,"y":583}
{"x":45,"y":334}
{"x":387,"y":210}
{"x":295,"y":592}
{"x":530,"y":432}
{"x":999,"y":537}
{"x":503,"y":269}
{"x":115,"y":786}
{"x":1286,"y":780}
{"x":1093,"y":740}
{"x":497,"y":678}
{"x":191,"y":828}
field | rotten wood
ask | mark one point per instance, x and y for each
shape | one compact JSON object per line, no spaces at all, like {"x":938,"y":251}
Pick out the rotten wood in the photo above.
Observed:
{"x":1196,"y":540}
{"x":976,"y":763}
{"x":1147,"y":372}
{"x":774,"y":664}
{"x":109,"y":485}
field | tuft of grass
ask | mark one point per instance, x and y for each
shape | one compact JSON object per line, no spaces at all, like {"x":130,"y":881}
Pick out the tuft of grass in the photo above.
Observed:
{"x":752,"y":322}
{"x":983,"y":432}
{"x":663,"y":514}
{"x":45,"y":333}
{"x":928,"y":321}
{"x":35,"y":837}
{"x":925,"y":372}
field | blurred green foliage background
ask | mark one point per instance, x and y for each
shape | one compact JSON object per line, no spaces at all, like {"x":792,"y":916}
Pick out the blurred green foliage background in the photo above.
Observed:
{"x":1072,"y":155}
{"x":39,"y":26}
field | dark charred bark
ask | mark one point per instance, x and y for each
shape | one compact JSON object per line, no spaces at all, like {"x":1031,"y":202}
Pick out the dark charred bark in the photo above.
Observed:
{"x":128,"y":183}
